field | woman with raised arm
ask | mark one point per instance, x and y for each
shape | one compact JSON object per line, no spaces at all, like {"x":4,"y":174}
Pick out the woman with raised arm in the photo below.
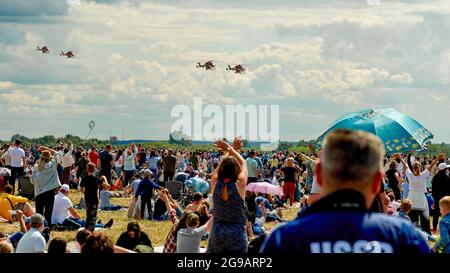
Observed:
{"x":46,"y":181}
{"x":228,"y":233}
{"x":417,"y":190}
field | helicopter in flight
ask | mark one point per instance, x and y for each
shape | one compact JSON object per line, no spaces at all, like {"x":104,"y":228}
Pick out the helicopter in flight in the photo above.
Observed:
{"x":43,"y":49}
{"x":238,"y":69}
{"x":68,"y":54}
{"x":209,"y":65}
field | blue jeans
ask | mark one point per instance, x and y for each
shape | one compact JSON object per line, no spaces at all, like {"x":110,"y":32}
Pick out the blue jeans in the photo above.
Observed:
{"x":15,"y":238}
{"x":112,"y":208}
{"x":77,"y":223}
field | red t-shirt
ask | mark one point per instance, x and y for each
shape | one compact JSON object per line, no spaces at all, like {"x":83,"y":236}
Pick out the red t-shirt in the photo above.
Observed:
{"x":93,"y":157}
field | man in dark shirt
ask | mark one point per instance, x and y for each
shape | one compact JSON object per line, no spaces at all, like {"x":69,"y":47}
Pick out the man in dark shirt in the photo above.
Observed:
{"x":170,"y":163}
{"x":90,"y":186}
{"x":133,"y":237}
{"x":106,"y":163}
{"x":350,"y":173}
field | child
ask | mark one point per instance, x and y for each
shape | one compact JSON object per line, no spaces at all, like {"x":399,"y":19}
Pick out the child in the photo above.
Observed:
{"x":443,"y":245}
{"x":90,"y":186}
{"x":105,"y":195}
{"x":145,"y":191}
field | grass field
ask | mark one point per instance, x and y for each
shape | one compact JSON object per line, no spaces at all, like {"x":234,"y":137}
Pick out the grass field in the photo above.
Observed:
{"x":156,"y":230}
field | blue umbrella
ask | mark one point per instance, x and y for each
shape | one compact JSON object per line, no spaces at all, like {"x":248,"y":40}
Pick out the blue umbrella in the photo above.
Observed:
{"x":399,"y":132}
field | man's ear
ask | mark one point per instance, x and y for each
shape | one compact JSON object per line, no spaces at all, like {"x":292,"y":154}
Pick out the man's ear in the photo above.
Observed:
{"x":377,"y":182}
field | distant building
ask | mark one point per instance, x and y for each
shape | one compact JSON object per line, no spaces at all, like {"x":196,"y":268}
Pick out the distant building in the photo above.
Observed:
{"x":113,"y":139}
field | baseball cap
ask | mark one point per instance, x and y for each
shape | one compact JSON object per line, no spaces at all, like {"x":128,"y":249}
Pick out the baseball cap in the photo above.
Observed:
{"x":147,"y":172}
{"x":37,"y":219}
{"x":443,"y":166}
{"x":65,"y":187}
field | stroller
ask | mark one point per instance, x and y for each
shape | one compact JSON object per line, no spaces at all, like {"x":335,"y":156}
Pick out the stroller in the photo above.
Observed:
{"x":26,"y":187}
{"x":176,"y":189}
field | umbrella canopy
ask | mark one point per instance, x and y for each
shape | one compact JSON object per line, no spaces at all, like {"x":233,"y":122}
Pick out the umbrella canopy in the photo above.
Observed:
{"x":5,"y":171}
{"x":398,"y":132}
{"x":264,"y":187}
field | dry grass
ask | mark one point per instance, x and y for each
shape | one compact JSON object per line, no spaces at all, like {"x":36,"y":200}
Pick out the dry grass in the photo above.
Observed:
{"x":156,"y":230}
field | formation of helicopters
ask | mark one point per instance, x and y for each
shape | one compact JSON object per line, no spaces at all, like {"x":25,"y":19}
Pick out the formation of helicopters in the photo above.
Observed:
{"x":208,"y":65}
{"x":45,"y":50}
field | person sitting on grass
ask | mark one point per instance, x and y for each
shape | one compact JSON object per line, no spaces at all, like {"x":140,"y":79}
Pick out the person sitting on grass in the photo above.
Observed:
{"x":164,"y":205}
{"x":170,"y":245}
{"x":33,"y":241}
{"x":198,"y":196}
{"x":6,"y":246}
{"x":188,"y":239}
{"x":66,"y":215}
{"x":443,"y":245}
{"x":97,"y":244}
{"x":10,"y":202}
{"x":133,"y":237}
{"x":80,"y":239}
{"x":105,"y":195}
{"x":57,"y":246}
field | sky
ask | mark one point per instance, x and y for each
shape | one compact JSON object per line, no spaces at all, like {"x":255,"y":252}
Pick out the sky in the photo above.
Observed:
{"x":135,"y":61}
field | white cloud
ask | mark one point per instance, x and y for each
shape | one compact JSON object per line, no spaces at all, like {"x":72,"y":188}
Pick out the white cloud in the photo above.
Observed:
{"x":135,"y":61}
{"x":402,"y":78}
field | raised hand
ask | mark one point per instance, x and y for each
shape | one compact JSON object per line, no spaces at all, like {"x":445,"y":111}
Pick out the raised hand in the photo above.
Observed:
{"x":222,"y":146}
{"x":237,"y":143}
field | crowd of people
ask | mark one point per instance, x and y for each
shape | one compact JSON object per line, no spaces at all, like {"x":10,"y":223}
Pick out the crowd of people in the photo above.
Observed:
{"x":350,"y":197}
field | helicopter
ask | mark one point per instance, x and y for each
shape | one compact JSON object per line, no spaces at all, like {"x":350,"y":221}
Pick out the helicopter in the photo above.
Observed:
{"x":44,"y":49}
{"x":238,"y":69}
{"x":68,"y":54}
{"x":209,"y":65}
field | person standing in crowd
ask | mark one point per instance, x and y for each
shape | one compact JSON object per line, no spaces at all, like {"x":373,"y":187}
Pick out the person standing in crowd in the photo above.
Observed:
{"x":5,"y":159}
{"x":350,"y":173}
{"x":290,"y":171}
{"x":118,"y":163}
{"x":394,"y":179}
{"x":46,"y":181}
{"x":67,"y":162}
{"x":310,"y":173}
{"x":440,"y":187}
{"x":128,"y":163}
{"x":93,"y":156}
{"x":153,"y":161}
{"x":252,"y":167}
{"x":18,"y":162}
{"x":81,"y":166}
{"x":106,"y":163}
{"x":145,"y":191}
{"x":170,"y":163}
{"x":90,"y":186}
{"x":443,"y":244}
{"x":417,"y":191}
{"x":229,"y":212}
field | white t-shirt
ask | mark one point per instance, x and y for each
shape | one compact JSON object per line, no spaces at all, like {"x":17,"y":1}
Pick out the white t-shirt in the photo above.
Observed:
{"x":61,"y":208}
{"x":31,"y":242}
{"x":16,"y":154}
{"x":7,"y":158}
{"x":417,"y":183}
